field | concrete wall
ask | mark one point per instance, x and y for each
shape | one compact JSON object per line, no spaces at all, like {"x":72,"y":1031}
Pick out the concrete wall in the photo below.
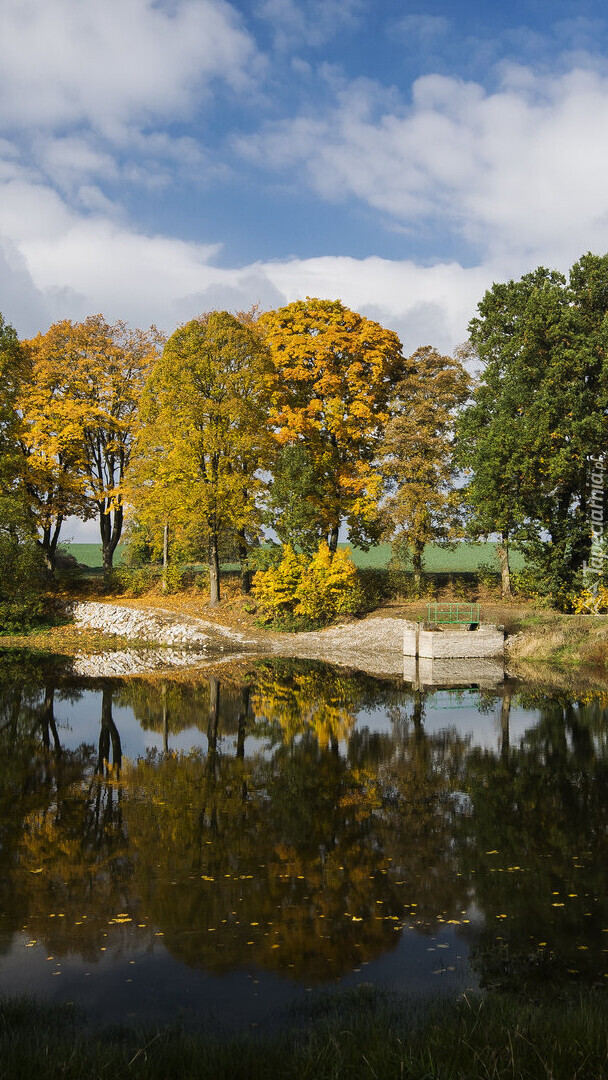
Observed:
{"x":453,"y":644}
{"x":486,"y":672}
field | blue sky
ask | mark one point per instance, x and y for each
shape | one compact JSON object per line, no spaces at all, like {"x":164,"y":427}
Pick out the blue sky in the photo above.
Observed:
{"x":162,"y":158}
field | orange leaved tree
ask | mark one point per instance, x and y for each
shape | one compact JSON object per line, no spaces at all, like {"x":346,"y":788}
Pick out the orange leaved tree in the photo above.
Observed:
{"x":334,"y":371}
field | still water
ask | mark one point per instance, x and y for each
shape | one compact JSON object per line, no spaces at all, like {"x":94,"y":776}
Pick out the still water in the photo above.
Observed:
{"x":219,"y":848}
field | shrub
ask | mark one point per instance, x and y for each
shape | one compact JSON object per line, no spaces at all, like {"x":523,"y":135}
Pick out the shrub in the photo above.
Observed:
{"x":275,"y":588}
{"x":488,"y":576}
{"x":314,"y":590}
{"x":589,"y":603}
{"x":23,"y":579}
{"x":134,"y":580}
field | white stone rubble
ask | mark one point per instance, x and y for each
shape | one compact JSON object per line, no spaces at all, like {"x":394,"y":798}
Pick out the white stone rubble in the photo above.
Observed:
{"x":157,"y":625}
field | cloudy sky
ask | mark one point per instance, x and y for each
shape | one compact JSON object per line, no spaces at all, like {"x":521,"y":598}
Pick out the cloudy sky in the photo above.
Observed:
{"x":162,"y":157}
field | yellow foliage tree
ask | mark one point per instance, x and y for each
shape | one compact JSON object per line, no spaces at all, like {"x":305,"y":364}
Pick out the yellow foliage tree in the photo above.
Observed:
{"x":334,"y":373}
{"x":204,"y":437}
{"x":417,"y":453}
{"x":80,"y":411}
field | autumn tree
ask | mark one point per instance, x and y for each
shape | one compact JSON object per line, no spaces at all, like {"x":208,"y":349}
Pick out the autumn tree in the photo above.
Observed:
{"x":80,"y":414}
{"x":417,"y":453}
{"x":334,"y":373}
{"x":205,"y":436}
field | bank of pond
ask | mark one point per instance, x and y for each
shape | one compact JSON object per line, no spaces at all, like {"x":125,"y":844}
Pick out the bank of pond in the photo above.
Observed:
{"x":222,"y":850}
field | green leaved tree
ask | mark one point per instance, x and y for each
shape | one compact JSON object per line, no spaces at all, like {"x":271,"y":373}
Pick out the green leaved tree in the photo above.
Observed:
{"x":539,"y":415}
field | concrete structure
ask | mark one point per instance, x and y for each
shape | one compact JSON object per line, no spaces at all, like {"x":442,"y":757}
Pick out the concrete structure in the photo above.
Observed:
{"x":487,"y":673}
{"x":453,"y":643}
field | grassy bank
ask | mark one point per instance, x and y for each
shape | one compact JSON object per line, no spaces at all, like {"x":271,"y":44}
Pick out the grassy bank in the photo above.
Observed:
{"x":566,"y":641}
{"x":358,"y":1035}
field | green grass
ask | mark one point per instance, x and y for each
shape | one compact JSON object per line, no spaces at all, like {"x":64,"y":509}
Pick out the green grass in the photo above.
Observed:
{"x":90,"y":554}
{"x":461,"y":559}
{"x":353,"y":1036}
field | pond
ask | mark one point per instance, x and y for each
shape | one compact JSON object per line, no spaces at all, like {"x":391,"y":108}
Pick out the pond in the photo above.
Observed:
{"x":216,"y":849}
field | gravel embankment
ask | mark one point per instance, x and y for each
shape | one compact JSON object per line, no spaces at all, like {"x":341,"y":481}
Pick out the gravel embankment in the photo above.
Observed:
{"x":372,"y":644}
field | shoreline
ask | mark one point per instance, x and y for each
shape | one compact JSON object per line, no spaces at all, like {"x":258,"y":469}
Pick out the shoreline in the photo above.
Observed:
{"x":142,"y":637}
{"x":138,"y":637}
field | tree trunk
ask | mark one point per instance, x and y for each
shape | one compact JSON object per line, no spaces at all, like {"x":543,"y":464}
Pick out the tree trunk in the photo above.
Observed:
{"x":505,"y":715}
{"x":333,"y":538}
{"x":47,"y":721}
{"x":165,"y":718}
{"x":165,"y":554}
{"x":502,"y":550}
{"x":110,"y":531}
{"x":214,"y":570}
{"x":417,"y":552}
{"x":245,"y":571}
{"x":242,"y":724}
{"x":50,"y":539}
{"x":108,"y":735}
{"x":212,"y":726}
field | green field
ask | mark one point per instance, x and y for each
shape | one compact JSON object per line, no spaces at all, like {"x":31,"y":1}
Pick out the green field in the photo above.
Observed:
{"x":463,"y":558}
{"x":90,"y":554}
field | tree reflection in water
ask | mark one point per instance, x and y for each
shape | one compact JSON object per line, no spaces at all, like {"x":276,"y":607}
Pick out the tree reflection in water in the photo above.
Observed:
{"x":300,"y":841}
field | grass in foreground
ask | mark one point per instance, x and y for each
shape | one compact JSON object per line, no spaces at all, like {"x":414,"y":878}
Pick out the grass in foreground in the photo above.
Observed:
{"x":358,"y":1035}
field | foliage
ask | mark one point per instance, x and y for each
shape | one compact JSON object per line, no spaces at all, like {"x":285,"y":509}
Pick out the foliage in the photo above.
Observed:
{"x":334,"y":371}
{"x":13,"y":373}
{"x":23,"y":580}
{"x":204,"y":438}
{"x":591,"y":603}
{"x":80,"y":409}
{"x":293,"y":504}
{"x":539,"y":414}
{"x":417,"y":453}
{"x":318,"y":589}
{"x":22,"y":577}
{"x":275,"y":589}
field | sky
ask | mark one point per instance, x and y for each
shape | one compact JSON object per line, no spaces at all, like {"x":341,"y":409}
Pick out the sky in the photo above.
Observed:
{"x":159,"y":158}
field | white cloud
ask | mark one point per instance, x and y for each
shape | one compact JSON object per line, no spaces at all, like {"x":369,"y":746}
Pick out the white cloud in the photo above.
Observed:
{"x":521,"y":173}
{"x":106,"y":63}
{"x":64,"y":263}
{"x":308,"y":22}
{"x":424,"y":29}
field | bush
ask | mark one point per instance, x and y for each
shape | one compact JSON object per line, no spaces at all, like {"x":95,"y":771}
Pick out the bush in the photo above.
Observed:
{"x":315,"y":590}
{"x":135,"y":580}
{"x":589,"y":603}
{"x":488,"y":576}
{"x":530,"y":584}
{"x":23,"y":581}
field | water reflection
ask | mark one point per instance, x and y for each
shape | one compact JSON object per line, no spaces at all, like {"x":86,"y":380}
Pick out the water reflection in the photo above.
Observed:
{"x":321,"y":821}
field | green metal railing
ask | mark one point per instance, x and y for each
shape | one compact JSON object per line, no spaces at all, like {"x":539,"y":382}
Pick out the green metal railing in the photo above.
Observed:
{"x":454,"y":614}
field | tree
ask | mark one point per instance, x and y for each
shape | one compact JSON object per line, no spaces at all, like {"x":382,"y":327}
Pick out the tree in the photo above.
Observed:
{"x":80,"y":414}
{"x":334,"y":373}
{"x":12,"y":376}
{"x":539,"y":414}
{"x":294,"y":503}
{"x":205,"y":436}
{"x":417,"y":452}
{"x":22,"y":580}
